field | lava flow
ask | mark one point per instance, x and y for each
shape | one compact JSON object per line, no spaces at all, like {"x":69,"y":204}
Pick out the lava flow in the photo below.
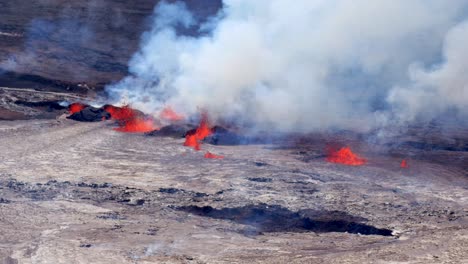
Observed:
{"x":193,"y":138}
{"x":191,"y":141}
{"x":136,"y":125}
{"x":130,"y":120}
{"x":209,"y":155}
{"x":345,"y":156}
{"x":75,"y":108}
{"x":404,"y":164}
{"x":121,"y":113}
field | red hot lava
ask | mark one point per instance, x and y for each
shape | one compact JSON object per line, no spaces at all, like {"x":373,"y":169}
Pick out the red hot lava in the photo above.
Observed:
{"x":345,"y":156}
{"x":130,"y":120}
{"x":191,"y":141}
{"x":134,"y":121}
{"x":137,"y":125}
{"x":76,"y":107}
{"x":121,"y":113}
{"x":203,"y":130}
{"x":404,"y":164}
{"x":209,"y":155}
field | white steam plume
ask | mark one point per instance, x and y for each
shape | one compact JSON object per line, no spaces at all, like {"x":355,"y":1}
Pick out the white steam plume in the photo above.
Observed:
{"x":306,"y":64}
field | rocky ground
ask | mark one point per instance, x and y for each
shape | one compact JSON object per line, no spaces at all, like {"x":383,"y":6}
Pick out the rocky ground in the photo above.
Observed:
{"x":76,"y":45}
{"x":74,"y":192}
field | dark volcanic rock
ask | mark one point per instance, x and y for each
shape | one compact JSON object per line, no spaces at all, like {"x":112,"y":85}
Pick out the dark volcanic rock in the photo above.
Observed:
{"x":90,"y":114}
{"x":175,"y":131}
{"x":229,"y":137}
{"x":223,"y":136}
{"x":48,"y":106}
{"x":4,"y":201}
{"x":258,"y":179}
{"x":274,"y":218}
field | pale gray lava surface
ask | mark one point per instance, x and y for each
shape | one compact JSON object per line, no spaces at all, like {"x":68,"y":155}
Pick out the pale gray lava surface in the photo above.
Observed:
{"x":83,"y":193}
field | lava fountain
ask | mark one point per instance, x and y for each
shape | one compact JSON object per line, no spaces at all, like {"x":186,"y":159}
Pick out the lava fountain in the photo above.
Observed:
{"x":193,"y":138}
{"x":345,"y":156}
{"x":130,"y":120}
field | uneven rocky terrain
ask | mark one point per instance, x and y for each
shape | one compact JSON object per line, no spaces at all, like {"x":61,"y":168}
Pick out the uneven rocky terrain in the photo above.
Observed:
{"x":74,"y":192}
{"x":76,"y":45}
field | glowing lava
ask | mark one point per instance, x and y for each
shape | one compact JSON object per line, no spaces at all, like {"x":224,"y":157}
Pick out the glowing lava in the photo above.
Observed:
{"x":404,"y":164}
{"x":76,"y":107}
{"x":209,"y":155}
{"x":345,"y":156}
{"x":121,"y":113}
{"x":203,"y":130}
{"x":136,"y":125}
{"x":170,"y":115}
{"x":192,"y":141}
{"x":130,"y":120}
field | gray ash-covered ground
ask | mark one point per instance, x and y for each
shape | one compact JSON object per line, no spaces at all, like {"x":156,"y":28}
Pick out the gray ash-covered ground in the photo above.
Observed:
{"x":84,"y":192}
{"x":79,"y":192}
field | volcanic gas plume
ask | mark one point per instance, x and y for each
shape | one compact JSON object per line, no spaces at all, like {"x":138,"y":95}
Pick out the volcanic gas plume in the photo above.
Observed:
{"x":170,"y":115}
{"x":307,"y":65}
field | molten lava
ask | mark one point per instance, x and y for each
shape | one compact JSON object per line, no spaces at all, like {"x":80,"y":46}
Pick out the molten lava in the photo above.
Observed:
{"x":209,"y":155}
{"x":130,"y":120}
{"x":191,"y":141}
{"x":170,"y":115}
{"x":121,"y":113}
{"x":75,"y":108}
{"x":136,"y":125}
{"x":203,"y":130}
{"x":345,"y":156}
{"x":404,"y":164}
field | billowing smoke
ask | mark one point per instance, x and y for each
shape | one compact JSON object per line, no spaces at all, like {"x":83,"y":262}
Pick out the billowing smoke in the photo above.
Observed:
{"x":306,"y":64}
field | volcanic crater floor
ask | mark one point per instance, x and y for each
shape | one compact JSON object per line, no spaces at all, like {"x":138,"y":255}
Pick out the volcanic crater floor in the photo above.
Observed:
{"x":75,"y":192}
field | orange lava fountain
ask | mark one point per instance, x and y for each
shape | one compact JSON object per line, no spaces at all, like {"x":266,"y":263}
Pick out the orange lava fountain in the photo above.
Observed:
{"x":345,"y":156}
{"x":191,"y":141}
{"x":203,"y":130}
{"x":130,"y":120}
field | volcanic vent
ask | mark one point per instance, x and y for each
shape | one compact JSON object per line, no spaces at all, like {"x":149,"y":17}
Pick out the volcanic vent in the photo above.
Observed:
{"x":266,"y":132}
